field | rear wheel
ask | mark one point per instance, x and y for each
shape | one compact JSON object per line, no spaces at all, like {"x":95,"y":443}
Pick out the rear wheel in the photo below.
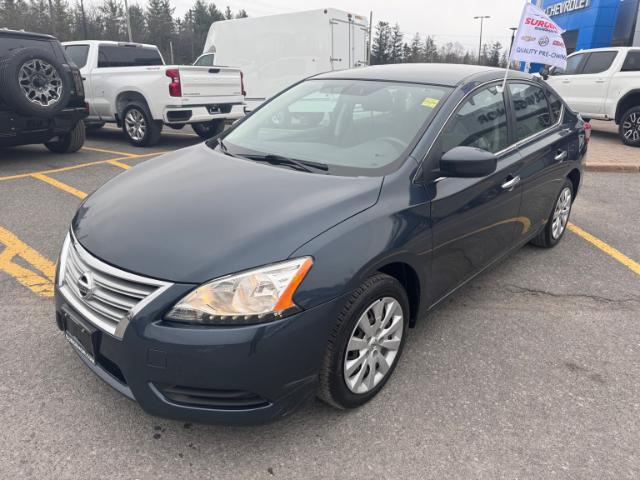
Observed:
{"x":629,"y":129}
{"x":556,"y":225}
{"x":207,"y":130}
{"x":365,"y":344}
{"x":70,"y":142}
{"x":139,"y":127}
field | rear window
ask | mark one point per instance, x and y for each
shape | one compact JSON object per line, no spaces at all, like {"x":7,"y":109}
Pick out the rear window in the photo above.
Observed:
{"x":632,"y":62}
{"x":127,"y":56}
{"x":8,"y":44}
{"x":599,"y":62}
{"x":77,"y":54}
{"x":205,"y":61}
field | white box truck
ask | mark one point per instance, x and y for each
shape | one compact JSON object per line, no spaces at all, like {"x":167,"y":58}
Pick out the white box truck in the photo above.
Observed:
{"x":276,"y":51}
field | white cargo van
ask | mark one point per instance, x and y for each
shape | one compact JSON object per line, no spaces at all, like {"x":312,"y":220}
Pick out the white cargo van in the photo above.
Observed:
{"x":277,"y":50}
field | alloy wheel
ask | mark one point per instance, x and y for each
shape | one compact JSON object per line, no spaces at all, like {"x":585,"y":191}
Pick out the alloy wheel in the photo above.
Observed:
{"x":373,"y":346}
{"x":561,"y":213}
{"x":631,"y":127}
{"x":40,"y":82}
{"x":135,"y":124}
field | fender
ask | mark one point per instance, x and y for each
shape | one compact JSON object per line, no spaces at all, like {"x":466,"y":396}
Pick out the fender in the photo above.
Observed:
{"x":619,"y":112}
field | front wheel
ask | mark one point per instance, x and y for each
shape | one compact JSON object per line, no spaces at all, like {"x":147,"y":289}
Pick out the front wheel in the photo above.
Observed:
{"x":556,"y":225}
{"x":207,"y":130}
{"x":138,"y":126}
{"x":69,"y":142}
{"x":365,"y":344}
{"x":629,"y":129}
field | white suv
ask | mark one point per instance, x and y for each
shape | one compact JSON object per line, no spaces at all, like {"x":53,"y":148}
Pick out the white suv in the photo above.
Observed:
{"x":604,"y":83}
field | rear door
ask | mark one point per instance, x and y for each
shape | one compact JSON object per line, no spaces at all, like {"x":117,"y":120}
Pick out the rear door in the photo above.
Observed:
{"x":79,"y":54}
{"x":475,"y":220}
{"x":544,"y":144}
{"x":348,"y":43}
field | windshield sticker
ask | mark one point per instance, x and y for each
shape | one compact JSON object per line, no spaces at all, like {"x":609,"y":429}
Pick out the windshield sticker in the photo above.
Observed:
{"x":430,"y":102}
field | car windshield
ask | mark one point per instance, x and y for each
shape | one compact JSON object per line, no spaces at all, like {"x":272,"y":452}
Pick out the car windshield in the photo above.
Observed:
{"x":354,"y":127}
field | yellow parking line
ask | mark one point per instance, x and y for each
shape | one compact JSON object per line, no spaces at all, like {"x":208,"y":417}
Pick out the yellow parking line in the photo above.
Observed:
{"x":606,"y":248}
{"x":111,"y":152}
{"x":75,"y":167}
{"x":124,"y":166}
{"x":60,"y":185}
{"x":41,"y":285}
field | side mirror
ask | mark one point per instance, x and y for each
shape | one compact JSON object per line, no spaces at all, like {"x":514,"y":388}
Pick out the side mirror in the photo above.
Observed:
{"x":545,"y":72}
{"x":468,"y":162}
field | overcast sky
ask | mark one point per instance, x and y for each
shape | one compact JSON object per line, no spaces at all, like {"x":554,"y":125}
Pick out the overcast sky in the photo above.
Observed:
{"x":446,"y":20}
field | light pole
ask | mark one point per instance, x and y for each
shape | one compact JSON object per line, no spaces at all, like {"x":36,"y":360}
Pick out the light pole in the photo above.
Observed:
{"x":126,"y":11}
{"x":513,"y":37}
{"x":482,"y":17}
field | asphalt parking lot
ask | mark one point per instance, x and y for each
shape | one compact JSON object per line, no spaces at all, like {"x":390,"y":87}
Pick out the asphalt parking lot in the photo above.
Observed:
{"x":531,"y":371}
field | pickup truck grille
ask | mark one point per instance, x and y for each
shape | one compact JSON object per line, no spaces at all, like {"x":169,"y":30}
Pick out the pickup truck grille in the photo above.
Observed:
{"x":104,"y":295}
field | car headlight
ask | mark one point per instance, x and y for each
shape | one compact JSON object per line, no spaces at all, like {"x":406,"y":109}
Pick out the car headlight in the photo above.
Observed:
{"x":254,"y":296}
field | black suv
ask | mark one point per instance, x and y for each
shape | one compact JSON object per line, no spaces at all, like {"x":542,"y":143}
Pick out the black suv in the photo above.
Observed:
{"x":41,"y":93}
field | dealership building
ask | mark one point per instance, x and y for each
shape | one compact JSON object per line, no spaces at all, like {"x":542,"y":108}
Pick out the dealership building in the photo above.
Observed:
{"x":596,"y":23}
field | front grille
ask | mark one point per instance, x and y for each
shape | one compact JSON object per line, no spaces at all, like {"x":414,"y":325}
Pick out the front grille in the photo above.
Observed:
{"x":206,"y":398}
{"x":104,"y":295}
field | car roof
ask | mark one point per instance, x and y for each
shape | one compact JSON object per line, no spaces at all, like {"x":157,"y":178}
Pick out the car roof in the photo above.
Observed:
{"x":22,"y":33}
{"x":606,"y":49}
{"x":428,"y":73}
{"x":108,"y":42}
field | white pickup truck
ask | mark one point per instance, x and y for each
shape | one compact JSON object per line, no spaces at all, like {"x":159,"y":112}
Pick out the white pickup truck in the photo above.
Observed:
{"x":129,"y":84}
{"x":604,"y":83}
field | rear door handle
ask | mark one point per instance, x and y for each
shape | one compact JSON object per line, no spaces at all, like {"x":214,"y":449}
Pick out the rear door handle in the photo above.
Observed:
{"x":561,"y":156}
{"x":510,"y":184}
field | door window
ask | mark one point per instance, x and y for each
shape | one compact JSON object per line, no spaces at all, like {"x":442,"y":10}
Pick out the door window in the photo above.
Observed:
{"x":480,"y":122}
{"x":574,"y":65}
{"x":632,"y":62}
{"x":599,"y":62}
{"x":556,"y":105}
{"x":77,"y":54}
{"x":531,"y":109}
{"x":127,"y":56}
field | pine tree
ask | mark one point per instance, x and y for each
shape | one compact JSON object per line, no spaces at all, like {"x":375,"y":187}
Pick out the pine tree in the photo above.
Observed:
{"x":242,"y":14}
{"x":494,"y":54}
{"x":396,"y":44}
{"x":430,"y":54}
{"x":381,"y":48}
{"x":228,"y":15}
{"x":160,"y":26}
{"x":417,"y":49}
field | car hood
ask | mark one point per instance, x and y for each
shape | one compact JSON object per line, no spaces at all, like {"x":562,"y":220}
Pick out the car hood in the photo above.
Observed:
{"x":197,"y":214}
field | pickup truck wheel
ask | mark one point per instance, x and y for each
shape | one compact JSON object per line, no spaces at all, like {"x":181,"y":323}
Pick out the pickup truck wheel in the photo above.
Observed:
{"x":139,"y":127}
{"x":34,"y":82}
{"x":629,"y":129}
{"x":207,"y":130}
{"x":70,"y":142}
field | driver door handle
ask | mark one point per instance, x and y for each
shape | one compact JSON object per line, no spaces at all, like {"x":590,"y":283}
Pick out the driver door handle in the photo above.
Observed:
{"x":510,"y":184}
{"x":561,"y":155}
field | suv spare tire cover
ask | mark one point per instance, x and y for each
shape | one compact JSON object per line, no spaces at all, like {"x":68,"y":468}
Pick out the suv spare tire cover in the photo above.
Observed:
{"x":34,"y":82}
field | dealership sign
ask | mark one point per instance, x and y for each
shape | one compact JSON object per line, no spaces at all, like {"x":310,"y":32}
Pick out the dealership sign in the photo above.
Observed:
{"x":566,"y":7}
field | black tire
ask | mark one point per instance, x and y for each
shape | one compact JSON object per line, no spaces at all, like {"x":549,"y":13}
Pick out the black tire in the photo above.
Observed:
{"x":629,"y":128}
{"x":545,"y":238}
{"x":93,"y":126}
{"x":333,"y":388}
{"x":152,"y":130}
{"x":70,"y":142}
{"x":13,"y":88}
{"x":207,"y":130}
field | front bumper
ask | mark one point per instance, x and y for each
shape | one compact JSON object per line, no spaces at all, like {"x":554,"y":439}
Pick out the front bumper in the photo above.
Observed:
{"x":232,"y":375}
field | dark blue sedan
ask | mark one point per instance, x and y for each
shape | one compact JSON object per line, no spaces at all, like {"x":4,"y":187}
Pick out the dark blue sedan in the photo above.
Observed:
{"x":291,"y":255}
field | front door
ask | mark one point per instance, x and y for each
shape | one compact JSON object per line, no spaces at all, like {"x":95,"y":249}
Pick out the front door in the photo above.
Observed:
{"x":475,"y":220}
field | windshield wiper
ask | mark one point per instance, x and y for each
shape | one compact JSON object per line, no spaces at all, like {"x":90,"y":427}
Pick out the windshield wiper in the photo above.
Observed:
{"x":303,"y":165}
